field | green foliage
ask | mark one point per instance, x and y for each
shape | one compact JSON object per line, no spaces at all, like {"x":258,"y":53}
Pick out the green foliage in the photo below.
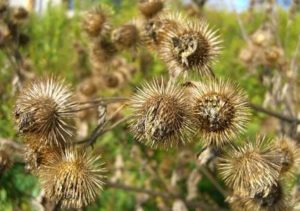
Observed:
{"x":54,"y":35}
{"x":17,"y":188}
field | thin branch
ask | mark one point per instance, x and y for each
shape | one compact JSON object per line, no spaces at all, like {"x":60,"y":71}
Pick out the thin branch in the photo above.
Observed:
{"x":292,"y":12}
{"x":106,"y":100}
{"x":293,"y":66}
{"x":97,"y":132}
{"x":85,"y":105}
{"x":83,"y":108}
{"x":240,"y":23}
{"x":13,"y":144}
{"x":18,"y":58}
{"x":273,"y":20}
{"x":116,"y":124}
{"x":167,"y":196}
{"x":274,"y":114}
{"x":13,"y":63}
{"x":154,"y":171}
{"x":213,"y":180}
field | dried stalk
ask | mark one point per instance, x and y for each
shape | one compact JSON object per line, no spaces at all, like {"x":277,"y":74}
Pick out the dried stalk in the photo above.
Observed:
{"x":293,"y":65}
{"x":240,"y":23}
{"x":13,"y":144}
{"x":97,"y":132}
{"x":105,"y":100}
{"x":291,"y":120}
{"x":213,"y":180}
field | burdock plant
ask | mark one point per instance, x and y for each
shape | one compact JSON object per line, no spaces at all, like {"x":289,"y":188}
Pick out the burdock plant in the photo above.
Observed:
{"x":162,"y":116}
{"x":155,"y":31}
{"x":46,"y":107}
{"x":191,"y":46}
{"x":96,"y":22}
{"x":252,"y":168}
{"x":38,"y":152}
{"x":166,"y":113}
{"x":72,"y":178}
{"x":126,"y":36}
{"x":277,"y":199}
{"x":221,"y":111}
{"x":150,"y":8}
{"x":289,"y":155}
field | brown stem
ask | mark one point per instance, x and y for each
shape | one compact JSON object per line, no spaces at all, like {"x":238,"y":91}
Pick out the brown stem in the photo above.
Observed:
{"x":19,"y":62}
{"x":274,"y":114}
{"x":13,"y":62}
{"x":83,"y":108}
{"x":95,"y":136}
{"x":85,"y":105}
{"x":105,"y":100}
{"x":240,"y":23}
{"x":293,"y":65}
{"x":13,"y":144}
{"x":213,"y":180}
{"x":121,"y":121}
{"x":98,"y":132}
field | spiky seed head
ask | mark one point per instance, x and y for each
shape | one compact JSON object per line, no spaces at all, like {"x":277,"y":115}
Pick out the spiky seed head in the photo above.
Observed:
{"x":101,"y":52}
{"x":155,"y":30}
{"x":96,"y":22}
{"x":276,"y":200}
{"x":193,"y":46}
{"x":189,"y":88}
{"x":87,"y":87}
{"x":37,"y":153}
{"x":119,"y":77}
{"x":289,"y":154}
{"x":252,"y":168}
{"x":151,"y":33}
{"x":19,"y":14}
{"x":111,"y":80}
{"x":235,"y":202}
{"x":45,"y":108}
{"x":3,"y":6}
{"x":262,"y":37}
{"x":221,"y":111}
{"x":273,"y":55}
{"x":5,"y":161}
{"x":246,"y":55}
{"x":74,"y":178}
{"x":161,"y":115}
{"x":5,"y":34}
{"x":126,"y":36}
{"x":150,"y":8}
